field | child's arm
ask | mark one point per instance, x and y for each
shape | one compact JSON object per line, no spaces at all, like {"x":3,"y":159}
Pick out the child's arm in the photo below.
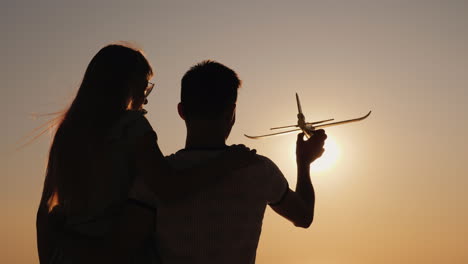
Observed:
{"x":170,"y":184}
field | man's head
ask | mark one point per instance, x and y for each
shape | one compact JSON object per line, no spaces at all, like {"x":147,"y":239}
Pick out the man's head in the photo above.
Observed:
{"x":209,"y":93}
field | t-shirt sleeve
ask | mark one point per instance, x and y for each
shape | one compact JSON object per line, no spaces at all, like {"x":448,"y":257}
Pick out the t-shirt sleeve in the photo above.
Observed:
{"x":276,"y":184}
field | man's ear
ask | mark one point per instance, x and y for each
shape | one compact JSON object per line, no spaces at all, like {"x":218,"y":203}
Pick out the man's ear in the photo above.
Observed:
{"x":180,"y":109}
{"x":231,"y":113}
{"x":234,"y":115}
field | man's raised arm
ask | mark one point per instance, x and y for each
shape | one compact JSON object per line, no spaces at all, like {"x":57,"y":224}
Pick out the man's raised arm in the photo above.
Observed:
{"x":298,"y":206}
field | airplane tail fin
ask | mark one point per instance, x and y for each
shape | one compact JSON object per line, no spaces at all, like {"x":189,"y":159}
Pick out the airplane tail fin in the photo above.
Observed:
{"x":299,"y":108}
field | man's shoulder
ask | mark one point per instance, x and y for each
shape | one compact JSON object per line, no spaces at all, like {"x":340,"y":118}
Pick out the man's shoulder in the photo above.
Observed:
{"x":187,"y":158}
{"x":265,"y":160}
{"x":183,"y":156}
{"x":264,"y":165}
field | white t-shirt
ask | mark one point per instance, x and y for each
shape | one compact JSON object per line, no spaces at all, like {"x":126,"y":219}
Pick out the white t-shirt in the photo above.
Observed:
{"x":222,"y":222}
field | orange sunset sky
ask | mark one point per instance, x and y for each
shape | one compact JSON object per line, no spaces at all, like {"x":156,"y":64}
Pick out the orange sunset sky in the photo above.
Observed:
{"x":395,"y":188}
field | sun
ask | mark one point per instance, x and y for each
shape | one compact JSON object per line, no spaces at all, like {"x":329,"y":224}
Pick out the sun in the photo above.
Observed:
{"x":329,"y":157}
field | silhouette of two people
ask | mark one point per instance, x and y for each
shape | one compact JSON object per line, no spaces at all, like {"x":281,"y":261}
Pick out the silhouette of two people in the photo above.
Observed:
{"x":111,"y":196}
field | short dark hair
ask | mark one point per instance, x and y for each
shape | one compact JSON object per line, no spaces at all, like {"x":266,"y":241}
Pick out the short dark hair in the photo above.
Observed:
{"x":208,"y":89}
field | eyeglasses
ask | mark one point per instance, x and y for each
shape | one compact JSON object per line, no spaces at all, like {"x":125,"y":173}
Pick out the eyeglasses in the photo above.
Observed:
{"x":149,"y":88}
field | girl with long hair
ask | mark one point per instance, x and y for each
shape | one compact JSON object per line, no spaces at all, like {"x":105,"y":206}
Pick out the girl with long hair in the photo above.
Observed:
{"x":103,"y":152}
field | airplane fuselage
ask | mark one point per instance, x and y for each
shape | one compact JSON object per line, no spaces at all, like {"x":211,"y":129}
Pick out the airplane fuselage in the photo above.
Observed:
{"x":308,"y":129}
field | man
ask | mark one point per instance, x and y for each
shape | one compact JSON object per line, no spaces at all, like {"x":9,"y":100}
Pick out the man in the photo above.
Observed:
{"x":222,"y":223}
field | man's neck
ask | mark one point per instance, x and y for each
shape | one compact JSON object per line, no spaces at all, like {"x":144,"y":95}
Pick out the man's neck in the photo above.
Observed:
{"x":205,"y":138}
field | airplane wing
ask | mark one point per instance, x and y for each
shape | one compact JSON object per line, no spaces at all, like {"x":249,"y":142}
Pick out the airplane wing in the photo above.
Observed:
{"x":274,"y":134}
{"x":318,"y":122}
{"x":343,"y":122}
{"x":283,"y":127}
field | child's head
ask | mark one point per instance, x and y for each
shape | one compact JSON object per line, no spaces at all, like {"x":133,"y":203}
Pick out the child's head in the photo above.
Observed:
{"x":116,"y":79}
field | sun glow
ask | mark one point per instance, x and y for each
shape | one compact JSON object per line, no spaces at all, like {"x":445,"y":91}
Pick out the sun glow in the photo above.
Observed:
{"x":329,"y":157}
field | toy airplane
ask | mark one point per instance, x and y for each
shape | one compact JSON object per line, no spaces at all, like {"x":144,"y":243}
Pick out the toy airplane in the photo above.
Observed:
{"x":307,"y":128}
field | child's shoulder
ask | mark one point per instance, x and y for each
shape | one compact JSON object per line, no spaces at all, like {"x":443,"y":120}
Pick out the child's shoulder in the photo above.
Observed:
{"x":131,"y":124}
